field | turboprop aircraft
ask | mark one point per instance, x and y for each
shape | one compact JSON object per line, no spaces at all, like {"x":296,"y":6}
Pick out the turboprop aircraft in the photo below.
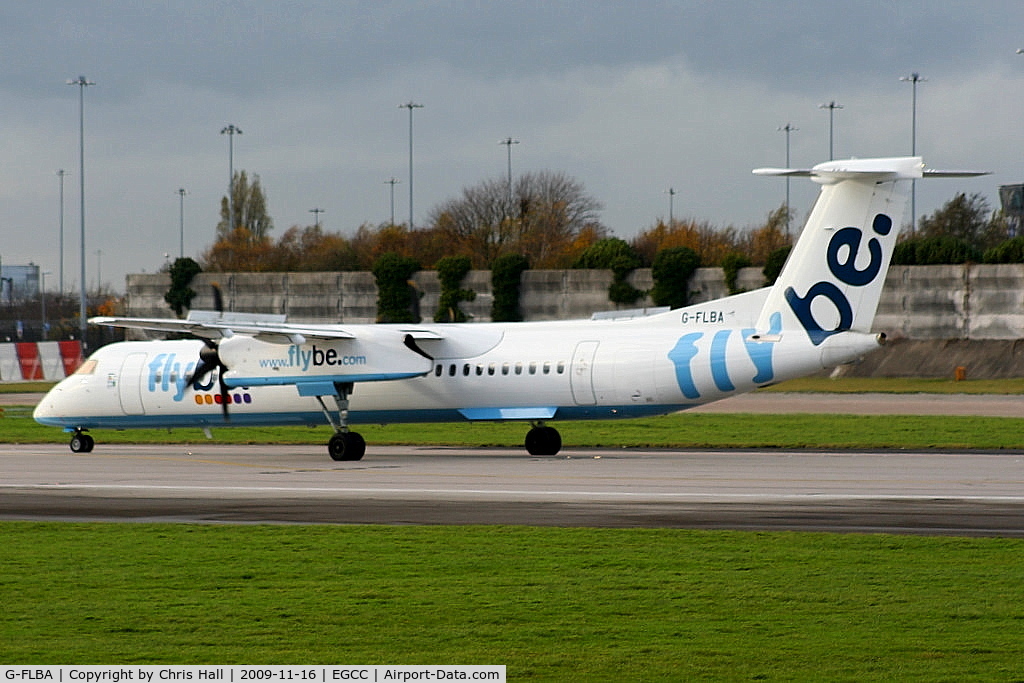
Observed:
{"x":251,"y":369}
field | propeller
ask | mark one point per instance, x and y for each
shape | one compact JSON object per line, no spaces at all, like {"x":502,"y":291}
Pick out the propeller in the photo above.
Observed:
{"x":209,"y":358}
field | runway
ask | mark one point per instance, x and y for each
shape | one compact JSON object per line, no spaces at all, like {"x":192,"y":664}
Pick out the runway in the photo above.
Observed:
{"x":895,"y":492}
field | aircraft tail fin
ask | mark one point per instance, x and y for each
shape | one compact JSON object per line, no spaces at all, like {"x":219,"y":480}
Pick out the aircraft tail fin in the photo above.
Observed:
{"x":832,"y":281}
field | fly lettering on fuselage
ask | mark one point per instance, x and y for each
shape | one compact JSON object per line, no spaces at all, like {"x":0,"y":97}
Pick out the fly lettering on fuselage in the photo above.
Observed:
{"x":759,"y":352}
{"x":168,"y":374}
{"x":846,"y":272}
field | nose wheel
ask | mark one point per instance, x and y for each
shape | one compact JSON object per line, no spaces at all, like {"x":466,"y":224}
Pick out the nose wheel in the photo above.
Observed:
{"x":81,"y":442}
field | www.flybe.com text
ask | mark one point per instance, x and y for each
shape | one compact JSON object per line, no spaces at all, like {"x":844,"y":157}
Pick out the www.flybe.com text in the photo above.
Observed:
{"x":299,"y":357}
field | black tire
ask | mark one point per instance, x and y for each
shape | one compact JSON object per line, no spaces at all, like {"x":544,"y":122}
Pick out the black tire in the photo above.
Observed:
{"x":543,"y":441}
{"x":81,"y":443}
{"x":346,"y":447}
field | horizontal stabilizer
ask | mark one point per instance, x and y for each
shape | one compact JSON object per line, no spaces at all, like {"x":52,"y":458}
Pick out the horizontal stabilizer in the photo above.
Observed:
{"x":876,"y":170}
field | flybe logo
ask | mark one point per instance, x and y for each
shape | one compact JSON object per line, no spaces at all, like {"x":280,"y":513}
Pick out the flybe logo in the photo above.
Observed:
{"x":841,"y":257}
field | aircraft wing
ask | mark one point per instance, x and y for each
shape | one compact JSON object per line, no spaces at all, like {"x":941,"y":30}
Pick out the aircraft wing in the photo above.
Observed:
{"x":267,"y":328}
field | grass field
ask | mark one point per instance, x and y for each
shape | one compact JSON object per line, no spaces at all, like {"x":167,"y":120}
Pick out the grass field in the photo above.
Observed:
{"x":551,"y":604}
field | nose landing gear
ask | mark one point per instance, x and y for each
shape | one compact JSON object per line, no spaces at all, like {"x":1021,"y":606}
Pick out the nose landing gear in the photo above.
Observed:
{"x":81,"y":442}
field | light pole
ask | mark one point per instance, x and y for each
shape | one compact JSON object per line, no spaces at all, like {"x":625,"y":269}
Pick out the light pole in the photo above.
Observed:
{"x":913,"y":79}
{"x":671,"y":192}
{"x":789,"y":128}
{"x":42,"y":299}
{"x":410,"y":105}
{"x":831,"y":106}
{"x":60,"y":176}
{"x":392,"y":182}
{"x":60,"y":283}
{"x":81,"y":82}
{"x":231,"y":130}
{"x":181,"y":221}
{"x":316,"y":216}
{"x":508,"y":142}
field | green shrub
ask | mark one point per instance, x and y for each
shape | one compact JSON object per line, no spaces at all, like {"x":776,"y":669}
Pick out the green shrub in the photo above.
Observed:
{"x":451,"y":270}
{"x":731,"y":265}
{"x":618,"y":256}
{"x":671,"y":271}
{"x":774,"y":263}
{"x":180,"y":295}
{"x":506,"y":275}
{"x":1010,"y":251}
{"x":931,"y":251}
{"x":397,"y":298}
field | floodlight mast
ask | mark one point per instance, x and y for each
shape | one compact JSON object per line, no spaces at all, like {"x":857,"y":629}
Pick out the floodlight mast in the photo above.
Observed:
{"x":231,"y":130}
{"x":181,"y":192}
{"x":831,"y":106}
{"x":82,"y":82}
{"x":788,"y":128}
{"x":410,"y":105}
{"x":508,"y":142}
{"x":913,"y":79}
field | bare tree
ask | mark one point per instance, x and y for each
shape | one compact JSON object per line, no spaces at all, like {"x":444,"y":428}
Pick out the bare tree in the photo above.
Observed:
{"x":546,"y":213}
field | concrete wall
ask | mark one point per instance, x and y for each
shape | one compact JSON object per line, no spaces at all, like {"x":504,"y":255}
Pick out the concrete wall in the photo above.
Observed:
{"x":918,"y":302}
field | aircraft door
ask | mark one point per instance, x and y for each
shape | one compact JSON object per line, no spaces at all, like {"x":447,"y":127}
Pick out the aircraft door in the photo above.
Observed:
{"x":130,"y":384}
{"x":581,"y":373}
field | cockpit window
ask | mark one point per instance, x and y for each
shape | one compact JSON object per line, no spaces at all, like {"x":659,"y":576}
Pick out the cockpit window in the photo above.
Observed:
{"x":87,"y":368}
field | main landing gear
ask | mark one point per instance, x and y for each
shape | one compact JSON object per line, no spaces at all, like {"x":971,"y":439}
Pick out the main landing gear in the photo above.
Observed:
{"x":344,"y":445}
{"x":541,"y":440}
{"x":81,"y":442}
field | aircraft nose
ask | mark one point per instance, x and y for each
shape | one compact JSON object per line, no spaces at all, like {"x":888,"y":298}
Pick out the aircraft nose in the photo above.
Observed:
{"x":48,"y":408}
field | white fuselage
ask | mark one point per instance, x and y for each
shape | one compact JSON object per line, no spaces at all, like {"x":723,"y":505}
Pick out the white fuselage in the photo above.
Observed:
{"x":487,"y":371}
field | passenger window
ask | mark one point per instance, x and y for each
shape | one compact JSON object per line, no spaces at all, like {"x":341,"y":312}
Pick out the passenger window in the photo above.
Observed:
{"x":533,"y":367}
{"x":547,"y":368}
{"x":519,"y":368}
{"x":490,"y":369}
{"x":479,"y":370}
{"x":561,"y":367}
{"x":465,"y":370}
{"x":437,"y":371}
{"x":451,"y":370}
{"x":504,"y":368}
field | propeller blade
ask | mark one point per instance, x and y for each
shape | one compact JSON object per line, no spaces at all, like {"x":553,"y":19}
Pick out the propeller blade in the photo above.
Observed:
{"x":208,"y":360}
{"x":225,"y":396}
{"x":218,"y":298}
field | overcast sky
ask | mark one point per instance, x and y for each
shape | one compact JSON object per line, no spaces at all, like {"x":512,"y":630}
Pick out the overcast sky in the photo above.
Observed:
{"x":629,"y":98}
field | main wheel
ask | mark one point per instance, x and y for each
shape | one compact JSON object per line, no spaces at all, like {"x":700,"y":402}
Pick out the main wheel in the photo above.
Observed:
{"x":543,"y":441}
{"x":346,"y":447}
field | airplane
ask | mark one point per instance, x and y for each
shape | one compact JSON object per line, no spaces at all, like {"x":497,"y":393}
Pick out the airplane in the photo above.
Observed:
{"x":251,"y":369}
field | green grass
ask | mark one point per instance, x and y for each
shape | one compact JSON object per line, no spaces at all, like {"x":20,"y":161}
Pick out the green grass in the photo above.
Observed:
{"x":682,"y":430}
{"x":551,"y":604}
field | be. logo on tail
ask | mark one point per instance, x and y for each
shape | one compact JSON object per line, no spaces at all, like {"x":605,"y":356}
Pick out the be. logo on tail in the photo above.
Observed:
{"x":846,"y":271}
